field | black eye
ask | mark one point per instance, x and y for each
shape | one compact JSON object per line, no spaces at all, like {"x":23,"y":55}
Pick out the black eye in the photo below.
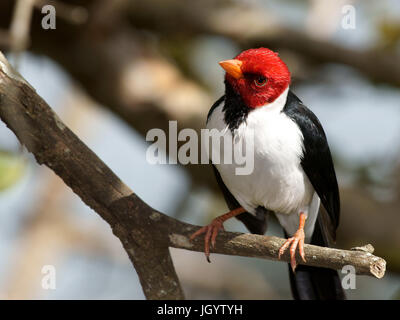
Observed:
{"x":260,"y":81}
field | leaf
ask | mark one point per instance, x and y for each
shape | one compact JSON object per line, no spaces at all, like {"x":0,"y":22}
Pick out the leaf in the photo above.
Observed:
{"x":12,"y":168}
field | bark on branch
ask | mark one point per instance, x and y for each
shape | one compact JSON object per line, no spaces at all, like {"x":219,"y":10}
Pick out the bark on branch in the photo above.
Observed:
{"x":145,"y":233}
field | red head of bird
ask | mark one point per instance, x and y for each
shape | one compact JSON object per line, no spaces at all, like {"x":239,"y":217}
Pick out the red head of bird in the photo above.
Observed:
{"x":259,"y":76}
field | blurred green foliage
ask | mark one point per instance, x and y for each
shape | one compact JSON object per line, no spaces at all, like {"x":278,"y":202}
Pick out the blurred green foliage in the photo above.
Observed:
{"x":12,"y":168}
{"x":389,"y":34}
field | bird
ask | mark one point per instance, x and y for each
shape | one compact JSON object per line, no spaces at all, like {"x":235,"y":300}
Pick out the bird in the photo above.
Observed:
{"x":293,"y":171}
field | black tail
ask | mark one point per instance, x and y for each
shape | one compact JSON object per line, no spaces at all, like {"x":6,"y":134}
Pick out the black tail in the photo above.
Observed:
{"x":257,"y":223}
{"x":312,"y":283}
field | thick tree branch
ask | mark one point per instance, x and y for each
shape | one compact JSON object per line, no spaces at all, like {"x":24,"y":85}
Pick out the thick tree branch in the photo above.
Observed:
{"x":53,"y":144}
{"x":145,"y":233}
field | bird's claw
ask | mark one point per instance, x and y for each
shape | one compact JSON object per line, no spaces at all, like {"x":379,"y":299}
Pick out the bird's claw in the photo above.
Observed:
{"x":293,"y":242}
{"x":211,"y":232}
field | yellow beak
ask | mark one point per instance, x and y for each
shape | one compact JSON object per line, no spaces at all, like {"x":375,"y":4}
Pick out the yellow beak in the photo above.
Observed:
{"x":232,"y":67}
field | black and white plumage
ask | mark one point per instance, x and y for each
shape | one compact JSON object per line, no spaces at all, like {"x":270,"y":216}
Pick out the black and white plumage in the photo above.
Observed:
{"x":293,"y":168}
{"x":293,"y":171}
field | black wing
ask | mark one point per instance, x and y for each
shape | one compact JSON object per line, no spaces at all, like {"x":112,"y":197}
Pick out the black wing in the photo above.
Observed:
{"x":214,"y":106}
{"x":317,"y":160}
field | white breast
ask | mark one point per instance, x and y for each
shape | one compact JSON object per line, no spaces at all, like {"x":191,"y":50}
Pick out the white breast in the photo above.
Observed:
{"x":278,"y":181}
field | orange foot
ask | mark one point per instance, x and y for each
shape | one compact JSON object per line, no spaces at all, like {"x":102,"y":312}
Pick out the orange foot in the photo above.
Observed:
{"x":213,"y":228}
{"x":293,"y":242}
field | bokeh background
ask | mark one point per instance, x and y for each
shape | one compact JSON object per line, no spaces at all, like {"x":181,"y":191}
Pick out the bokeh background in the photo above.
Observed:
{"x":113,"y":70}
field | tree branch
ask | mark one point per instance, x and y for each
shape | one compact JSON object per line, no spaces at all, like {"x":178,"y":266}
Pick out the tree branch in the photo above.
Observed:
{"x":267,"y":247}
{"x":146,"y":234}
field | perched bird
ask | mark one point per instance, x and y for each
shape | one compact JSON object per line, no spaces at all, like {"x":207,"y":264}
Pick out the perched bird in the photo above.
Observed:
{"x":293,"y":169}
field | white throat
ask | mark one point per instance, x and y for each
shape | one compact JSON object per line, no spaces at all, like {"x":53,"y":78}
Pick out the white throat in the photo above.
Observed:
{"x":278,"y":104}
